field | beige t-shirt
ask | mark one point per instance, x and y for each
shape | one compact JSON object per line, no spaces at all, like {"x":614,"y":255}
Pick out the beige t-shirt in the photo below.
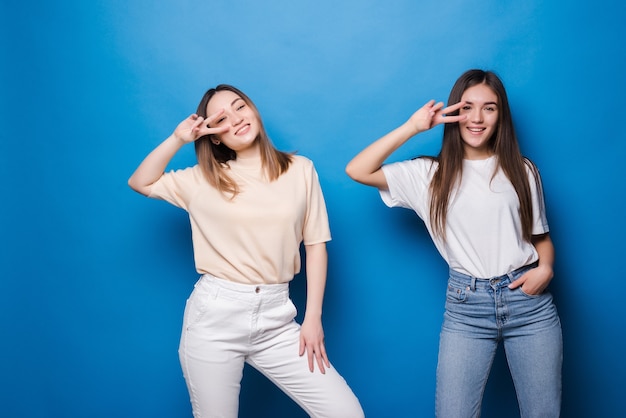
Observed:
{"x":254,"y":238}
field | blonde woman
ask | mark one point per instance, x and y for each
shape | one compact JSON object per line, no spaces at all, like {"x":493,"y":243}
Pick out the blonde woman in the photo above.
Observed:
{"x":250,"y":208}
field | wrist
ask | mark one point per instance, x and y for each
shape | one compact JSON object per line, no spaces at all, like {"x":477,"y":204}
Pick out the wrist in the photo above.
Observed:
{"x":409,"y":129}
{"x":176,"y":140}
{"x":313,"y":314}
{"x":547,"y":269}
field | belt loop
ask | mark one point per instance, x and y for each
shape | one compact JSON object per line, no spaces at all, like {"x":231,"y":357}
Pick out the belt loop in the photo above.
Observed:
{"x":473,"y":284}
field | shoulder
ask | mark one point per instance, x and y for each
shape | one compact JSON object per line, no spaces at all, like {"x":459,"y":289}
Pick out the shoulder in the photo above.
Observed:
{"x":416,"y":165}
{"x":531,"y":168}
{"x":301,"y":160}
{"x":185,"y":172}
{"x":301,"y":164}
{"x":188,"y":175}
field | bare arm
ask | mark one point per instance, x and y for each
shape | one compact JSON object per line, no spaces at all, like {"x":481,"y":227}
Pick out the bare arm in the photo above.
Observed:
{"x":535,"y":281}
{"x":366,"y":167}
{"x":312,"y":333}
{"x":153,"y":166}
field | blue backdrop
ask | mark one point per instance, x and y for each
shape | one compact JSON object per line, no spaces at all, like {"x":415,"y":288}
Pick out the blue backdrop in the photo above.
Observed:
{"x":93,"y":277}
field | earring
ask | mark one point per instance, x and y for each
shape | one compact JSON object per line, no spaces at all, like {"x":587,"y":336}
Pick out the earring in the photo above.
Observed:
{"x":217,"y":142}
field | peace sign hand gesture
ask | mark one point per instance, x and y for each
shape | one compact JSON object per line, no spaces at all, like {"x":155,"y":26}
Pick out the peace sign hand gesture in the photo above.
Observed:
{"x":433,"y":114}
{"x":196,"y":126}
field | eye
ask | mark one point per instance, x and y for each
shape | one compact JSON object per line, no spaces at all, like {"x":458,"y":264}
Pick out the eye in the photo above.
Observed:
{"x":491,"y":108}
{"x":241,"y":106}
{"x":220,"y":120}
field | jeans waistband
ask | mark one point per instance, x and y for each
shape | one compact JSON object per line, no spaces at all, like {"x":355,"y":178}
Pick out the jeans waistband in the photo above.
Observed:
{"x":503,"y":280}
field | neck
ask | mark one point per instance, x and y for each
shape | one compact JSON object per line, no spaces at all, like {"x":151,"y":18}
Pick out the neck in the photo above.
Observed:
{"x":252,"y":152}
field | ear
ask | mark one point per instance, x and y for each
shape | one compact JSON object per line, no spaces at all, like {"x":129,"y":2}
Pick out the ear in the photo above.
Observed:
{"x":216,"y":141}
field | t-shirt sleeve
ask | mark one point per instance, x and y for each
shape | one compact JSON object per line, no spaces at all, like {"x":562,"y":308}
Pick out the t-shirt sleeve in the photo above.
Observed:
{"x":316,"y":228}
{"x":540,"y":220}
{"x":176,"y":186}
{"x":408,"y":183}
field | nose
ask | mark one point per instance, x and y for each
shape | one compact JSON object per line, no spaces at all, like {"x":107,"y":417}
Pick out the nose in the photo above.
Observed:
{"x":236,"y":120}
{"x":476,"y":116}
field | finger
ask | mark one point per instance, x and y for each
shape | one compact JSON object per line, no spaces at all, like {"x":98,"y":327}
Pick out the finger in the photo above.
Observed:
{"x":309,"y":353}
{"x":203,"y":129}
{"x":453,"y":119}
{"x":447,"y":118}
{"x":198,"y":121}
{"x":320,"y":361}
{"x":301,"y":349}
{"x":517,"y":283}
{"x":219,"y":130}
{"x":435,"y":107}
{"x":454,"y":107}
{"x":214,"y":116}
{"x":323,"y":356}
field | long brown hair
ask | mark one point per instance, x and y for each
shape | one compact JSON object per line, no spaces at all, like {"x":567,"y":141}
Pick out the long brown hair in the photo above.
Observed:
{"x":213,"y":158}
{"x":504,"y":145}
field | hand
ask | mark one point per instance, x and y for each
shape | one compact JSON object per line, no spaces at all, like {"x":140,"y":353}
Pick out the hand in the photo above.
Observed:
{"x":312,"y":342}
{"x":433,"y":114}
{"x":195,"y":127}
{"x":534,"y":281}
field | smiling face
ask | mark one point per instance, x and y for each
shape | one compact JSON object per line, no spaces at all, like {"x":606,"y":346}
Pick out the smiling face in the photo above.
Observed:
{"x":240,"y":118}
{"x":481,"y":108}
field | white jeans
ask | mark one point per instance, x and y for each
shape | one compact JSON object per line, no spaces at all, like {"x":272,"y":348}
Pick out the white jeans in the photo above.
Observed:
{"x":227,"y":324}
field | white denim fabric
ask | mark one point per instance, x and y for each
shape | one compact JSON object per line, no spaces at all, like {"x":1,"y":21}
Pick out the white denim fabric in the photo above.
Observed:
{"x":227,"y":324}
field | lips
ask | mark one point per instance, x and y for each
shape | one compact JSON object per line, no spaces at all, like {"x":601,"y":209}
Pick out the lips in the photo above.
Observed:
{"x":243,"y":130}
{"x":476,"y":130}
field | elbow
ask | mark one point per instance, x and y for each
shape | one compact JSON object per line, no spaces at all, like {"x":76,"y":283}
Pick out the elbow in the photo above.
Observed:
{"x":352,"y":172}
{"x":133,"y":184}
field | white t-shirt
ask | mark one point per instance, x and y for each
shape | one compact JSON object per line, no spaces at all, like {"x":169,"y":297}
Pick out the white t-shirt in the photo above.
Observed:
{"x":255,"y":237}
{"x":483,"y":229}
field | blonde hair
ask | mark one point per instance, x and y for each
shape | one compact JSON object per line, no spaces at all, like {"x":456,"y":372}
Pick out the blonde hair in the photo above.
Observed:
{"x":213,"y":158}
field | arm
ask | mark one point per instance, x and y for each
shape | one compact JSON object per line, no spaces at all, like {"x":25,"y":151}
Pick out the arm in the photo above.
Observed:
{"x":153,"y":166}
{"x":366,"y":167}
{"x":535,"y":281}
{"x":312,"y":333}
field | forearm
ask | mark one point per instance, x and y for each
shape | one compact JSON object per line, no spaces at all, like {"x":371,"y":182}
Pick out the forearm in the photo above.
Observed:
{"x":316,"y":270}
{"x":545,"y":248}
{"x":153,"y":166}
{"x":365,"y":167}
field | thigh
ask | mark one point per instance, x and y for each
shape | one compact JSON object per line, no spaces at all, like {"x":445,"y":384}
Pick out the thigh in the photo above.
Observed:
{"x":467,"y":346}
{"x":320,"y":395}
{"x":534,"y":351}
{"x":462,"y":371}
{"x":212,"y":352}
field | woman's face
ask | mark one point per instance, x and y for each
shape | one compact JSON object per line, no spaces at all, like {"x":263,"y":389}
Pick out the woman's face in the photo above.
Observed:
{"x":241,"y":119}
{"x":481,"y":108}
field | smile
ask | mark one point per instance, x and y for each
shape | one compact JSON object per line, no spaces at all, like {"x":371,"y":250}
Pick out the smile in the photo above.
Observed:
{"x":243,"y":130}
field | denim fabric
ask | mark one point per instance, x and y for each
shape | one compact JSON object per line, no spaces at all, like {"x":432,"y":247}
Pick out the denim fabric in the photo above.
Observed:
{"x":479,"y":314}
{"x":227,"y":324}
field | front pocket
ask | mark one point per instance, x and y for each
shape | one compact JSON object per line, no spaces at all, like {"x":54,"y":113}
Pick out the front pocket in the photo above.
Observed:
{"x":198,"y":303}
{"x":456,"y":293}
{"x":527,"y":295}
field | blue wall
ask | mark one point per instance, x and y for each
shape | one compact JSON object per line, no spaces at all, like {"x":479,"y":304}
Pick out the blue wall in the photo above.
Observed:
{"x":93,"y":277}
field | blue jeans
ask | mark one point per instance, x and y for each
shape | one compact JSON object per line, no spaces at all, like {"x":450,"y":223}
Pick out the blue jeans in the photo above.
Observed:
{"x":479,"y":314}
